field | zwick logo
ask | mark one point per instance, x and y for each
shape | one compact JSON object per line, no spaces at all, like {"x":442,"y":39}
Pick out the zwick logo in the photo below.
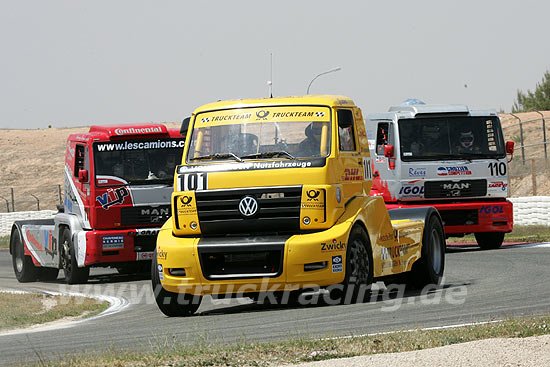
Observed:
{"x":312,"y":195}
{"x":107,"y":200}
{"x":248,"y":206}
{"x":186,"y":200}
{"x":262,"y":114}
{"x":162,"y":255}
{"x":334,"y":246}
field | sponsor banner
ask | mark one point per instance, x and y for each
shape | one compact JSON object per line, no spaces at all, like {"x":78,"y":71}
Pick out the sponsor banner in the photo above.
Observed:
{"x":453,"y":171}
{"x":113,"y":242}
{"x":497,"y":186}
{"x":140,"y":145}
{"x":112,"y":197}
{"x":145,"y":255}
{"x":139,"y":130}
{"x":411,"y":191}
{"x":251,"y":166}
{"x":260,"y":114}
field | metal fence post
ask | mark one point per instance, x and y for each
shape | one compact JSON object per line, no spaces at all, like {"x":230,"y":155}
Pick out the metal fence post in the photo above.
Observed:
{"x":59,"y":192}
{"x":37,"y":202}
{"x":12,"y":201}
{"x":543,"y":134}
{"x":7,"y":203}
{"x":521,"y":138}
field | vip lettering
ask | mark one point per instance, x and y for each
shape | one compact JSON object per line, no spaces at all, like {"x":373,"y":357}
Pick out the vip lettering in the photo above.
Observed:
{"x":113,"y":197}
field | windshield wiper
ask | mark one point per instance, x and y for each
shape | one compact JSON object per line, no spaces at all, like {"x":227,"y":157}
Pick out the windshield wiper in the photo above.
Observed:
{"x":217,"y":156}
{"x":279,"y":153}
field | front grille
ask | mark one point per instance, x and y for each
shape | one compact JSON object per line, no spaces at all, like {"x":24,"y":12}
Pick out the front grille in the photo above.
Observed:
{"x":459,"y":217}
{"x":241,"y":257}
{"x":278,"y":210}
{"x":144,"y":215}
{"x":453,"y":189}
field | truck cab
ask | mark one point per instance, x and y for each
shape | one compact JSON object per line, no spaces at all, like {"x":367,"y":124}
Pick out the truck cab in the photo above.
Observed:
{"x":117,"y":185}
{"x":448,"y":157}
{"x":273,"y":194}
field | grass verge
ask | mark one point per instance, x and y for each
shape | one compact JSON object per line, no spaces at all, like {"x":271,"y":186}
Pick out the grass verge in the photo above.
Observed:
{"x":519,"y":234}
{"x":4,"y":242}
{"x":174,"y":353}
{"x":39,"y":309}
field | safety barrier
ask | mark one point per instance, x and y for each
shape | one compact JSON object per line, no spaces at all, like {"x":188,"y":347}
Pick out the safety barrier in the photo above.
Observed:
{"x":7,"y":219}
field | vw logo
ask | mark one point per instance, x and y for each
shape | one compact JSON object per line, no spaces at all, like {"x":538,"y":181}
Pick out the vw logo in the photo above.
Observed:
{"x":248,"y":206}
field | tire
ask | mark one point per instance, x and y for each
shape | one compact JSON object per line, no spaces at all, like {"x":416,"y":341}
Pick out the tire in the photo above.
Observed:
{"x":48,"y":274}
{"x":428,"y":270}
{"x":359,"y":269}
{"x":73,"y":274}
{"x":172,"y":304}
{"x":24,"y":268}
{"x":489,"y":240}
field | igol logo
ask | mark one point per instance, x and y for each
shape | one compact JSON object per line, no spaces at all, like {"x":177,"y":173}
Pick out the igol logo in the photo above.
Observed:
{"x":313,"y":194}
{"x":262,"y":114}
{"x":185,"y":200}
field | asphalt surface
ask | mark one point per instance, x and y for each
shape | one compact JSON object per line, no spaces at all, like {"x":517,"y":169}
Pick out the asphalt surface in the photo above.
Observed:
{"x":479,"y":286}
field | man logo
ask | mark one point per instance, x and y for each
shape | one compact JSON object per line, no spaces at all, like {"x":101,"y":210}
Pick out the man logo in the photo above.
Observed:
{"x":313,"y":194}
{"x":248,"y":206}
{"x":185,"y":200}
{"x":262,"y":114}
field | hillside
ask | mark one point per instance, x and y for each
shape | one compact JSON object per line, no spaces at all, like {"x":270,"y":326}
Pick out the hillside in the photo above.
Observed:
{"x":31,"y":162}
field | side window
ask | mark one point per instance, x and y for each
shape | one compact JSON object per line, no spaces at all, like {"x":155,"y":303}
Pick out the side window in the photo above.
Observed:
{"x":78,"y":159}
{"x":382,"y":137}
{"x":346,"y":136}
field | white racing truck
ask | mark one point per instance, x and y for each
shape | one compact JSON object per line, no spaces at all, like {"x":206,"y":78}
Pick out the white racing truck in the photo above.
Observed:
{"x":448,"y":157}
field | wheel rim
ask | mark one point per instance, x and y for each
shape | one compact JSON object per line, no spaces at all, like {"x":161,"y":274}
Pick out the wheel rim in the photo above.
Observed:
{"x":359,"y":262}
{"x":19,"y":258}
{"x":436,"y":251}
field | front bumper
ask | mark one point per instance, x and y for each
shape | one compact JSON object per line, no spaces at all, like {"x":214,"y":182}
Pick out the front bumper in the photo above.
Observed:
{"x":471,"y":217}
{"x":192,"y":255}
{"x":105,"y":247}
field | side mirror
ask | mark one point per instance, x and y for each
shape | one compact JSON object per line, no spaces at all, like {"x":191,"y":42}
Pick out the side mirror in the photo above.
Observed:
{"x":388,"y":151}
{"x":83,"y":176}
{"x":185,"y":126}
{"x":509,"y":147}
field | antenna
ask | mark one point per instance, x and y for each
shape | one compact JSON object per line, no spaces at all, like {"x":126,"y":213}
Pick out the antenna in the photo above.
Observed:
{"x":270,"y":81}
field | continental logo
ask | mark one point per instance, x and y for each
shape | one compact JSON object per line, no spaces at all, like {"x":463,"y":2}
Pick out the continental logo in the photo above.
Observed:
{"x":144,"y":130}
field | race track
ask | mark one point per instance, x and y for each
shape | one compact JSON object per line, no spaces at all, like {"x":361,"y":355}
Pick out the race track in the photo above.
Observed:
{"x":479,"y":286}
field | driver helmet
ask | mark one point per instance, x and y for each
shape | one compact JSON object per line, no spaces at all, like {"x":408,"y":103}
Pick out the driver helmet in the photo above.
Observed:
{"x":313,"y":130}
{"x":466,"y":139}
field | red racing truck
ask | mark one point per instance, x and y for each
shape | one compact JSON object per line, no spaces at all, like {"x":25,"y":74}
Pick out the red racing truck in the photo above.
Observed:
{"x":448,"y":157}
{"x":118,"y":183}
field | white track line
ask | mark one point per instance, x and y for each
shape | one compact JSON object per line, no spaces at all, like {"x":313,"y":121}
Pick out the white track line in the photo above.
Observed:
{"x":116,"y":304}
{"x":537,"y":245}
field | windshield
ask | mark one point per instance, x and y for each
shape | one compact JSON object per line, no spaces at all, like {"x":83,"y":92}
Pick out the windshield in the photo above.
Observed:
{"x":137,"y":161}
{"x":438,"y":138}
{"x":265,"y":134}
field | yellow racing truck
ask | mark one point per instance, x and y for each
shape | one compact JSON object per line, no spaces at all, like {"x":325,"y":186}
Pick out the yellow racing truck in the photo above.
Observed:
{"x":272,"y":195}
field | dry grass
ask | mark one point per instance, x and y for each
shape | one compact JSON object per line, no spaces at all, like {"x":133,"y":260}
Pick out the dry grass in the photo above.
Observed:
{"x":39,"y":309}
{"x":4,"y":242}
{"x":173,"y":353}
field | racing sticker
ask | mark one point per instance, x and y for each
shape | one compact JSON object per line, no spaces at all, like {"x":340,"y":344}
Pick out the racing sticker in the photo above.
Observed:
{"x":251,"y":166}
{"x":113,"y":242}
{"x":337,"y":266}
{"x":161,"y":273}
{"x":192,"y":181}
{"x":113,"y":197}
{"x":453,"y":171}
{"x":417,"y":172}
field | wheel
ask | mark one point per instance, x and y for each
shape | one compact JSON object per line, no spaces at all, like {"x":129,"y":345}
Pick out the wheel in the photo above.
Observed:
{"x":359,"y":269}
{"x":73,"y":274}
{"x":489,"y":240}
{"x":48,"y":274}
{"x":169,"y":303}
{"x":24,"y":269}
{"x":429,"y":268}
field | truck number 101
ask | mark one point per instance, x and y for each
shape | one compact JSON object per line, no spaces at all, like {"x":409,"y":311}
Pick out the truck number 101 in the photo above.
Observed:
{"x":192,"y":181}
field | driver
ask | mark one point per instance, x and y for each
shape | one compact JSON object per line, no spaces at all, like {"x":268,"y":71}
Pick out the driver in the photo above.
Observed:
{"x":311,"y":145}
{"x":466,"y":142}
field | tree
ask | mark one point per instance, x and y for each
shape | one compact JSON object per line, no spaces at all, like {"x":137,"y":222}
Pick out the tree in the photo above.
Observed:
{"x":534,"y":101}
